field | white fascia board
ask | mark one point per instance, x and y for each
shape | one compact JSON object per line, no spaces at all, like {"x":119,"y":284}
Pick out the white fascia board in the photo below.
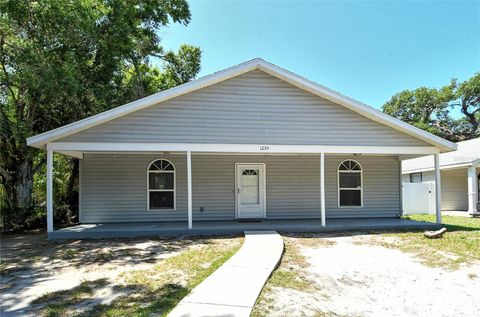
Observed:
{"x":356,"y":106}
{"x":236,"y":148}
{"x":476,"y":163}
{"x":444,"y":167}
{"x":40,"y":140}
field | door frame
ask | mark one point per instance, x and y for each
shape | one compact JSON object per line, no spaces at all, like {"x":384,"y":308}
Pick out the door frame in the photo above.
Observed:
{"x":262,"y":179}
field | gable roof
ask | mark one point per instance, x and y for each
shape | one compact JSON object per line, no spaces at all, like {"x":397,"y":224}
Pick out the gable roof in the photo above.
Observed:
{"x":467,"y":153}
{"x":42,"y":139}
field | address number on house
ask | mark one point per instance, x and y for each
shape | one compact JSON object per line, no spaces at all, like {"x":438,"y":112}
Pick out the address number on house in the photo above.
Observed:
{"x":264,"y":148}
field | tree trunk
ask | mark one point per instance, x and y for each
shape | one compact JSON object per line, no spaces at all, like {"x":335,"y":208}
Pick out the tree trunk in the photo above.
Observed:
{"x":19,"y":186}
{"x":472,"y":119}
{"x":72,"y":190}
{"x":18,"y":194}
{"x":24,"y":184}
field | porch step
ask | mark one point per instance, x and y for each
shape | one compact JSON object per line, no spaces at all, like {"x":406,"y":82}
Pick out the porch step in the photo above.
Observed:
{"x":233,"y":288}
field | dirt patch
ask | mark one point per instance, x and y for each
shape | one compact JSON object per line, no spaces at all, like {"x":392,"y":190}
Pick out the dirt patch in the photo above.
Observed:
{"x":352,"y":277}
{"x":37,"y":274}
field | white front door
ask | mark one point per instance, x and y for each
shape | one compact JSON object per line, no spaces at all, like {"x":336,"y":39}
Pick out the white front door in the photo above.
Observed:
{"x":250,"y":183}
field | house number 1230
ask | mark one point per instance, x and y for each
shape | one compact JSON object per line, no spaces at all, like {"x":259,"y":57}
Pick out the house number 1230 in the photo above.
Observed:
{"x":264,"y":148}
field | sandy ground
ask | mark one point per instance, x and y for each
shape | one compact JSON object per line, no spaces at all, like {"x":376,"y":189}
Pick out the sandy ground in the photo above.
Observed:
{"x":367,"y":280}
{"x":33,"y":266}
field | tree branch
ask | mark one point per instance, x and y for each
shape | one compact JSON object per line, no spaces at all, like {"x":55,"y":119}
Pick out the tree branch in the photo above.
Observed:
{"x":4,"y":68}
{"x":5,"y":174}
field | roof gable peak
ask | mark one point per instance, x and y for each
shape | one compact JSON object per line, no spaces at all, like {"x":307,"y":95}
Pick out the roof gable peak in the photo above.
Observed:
{"x":41,"y":140}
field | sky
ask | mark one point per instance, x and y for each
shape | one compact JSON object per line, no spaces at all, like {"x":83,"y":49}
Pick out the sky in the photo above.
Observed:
{"x":366,"y":50}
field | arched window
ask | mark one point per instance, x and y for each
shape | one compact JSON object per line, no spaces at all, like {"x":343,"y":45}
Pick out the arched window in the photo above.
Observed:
{"x":350,"y":185}
{"x":161,"y":185}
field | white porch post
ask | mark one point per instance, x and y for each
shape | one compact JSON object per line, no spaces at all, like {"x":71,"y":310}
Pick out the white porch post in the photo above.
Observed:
{"x":472,"y":190}
{"x":189,"y":181}
{"x":438,"y":189}
{"x":400,"y":180}
{"x":322,"y":188}
{"x":49,"y":191}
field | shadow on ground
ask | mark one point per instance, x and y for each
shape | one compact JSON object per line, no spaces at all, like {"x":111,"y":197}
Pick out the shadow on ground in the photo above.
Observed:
{"x":30,"y":261}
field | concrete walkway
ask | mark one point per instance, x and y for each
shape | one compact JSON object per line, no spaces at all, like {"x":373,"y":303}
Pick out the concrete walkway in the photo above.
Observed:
{"x":233,"y":289}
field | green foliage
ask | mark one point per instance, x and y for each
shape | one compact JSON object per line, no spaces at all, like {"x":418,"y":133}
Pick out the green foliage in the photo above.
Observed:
{"x":430,"y":109}
{"x":61,"y":61}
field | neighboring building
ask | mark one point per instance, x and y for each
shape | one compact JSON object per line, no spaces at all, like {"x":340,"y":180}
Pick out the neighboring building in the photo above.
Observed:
{"x":460,"y":176}
{"x":251,"y":141}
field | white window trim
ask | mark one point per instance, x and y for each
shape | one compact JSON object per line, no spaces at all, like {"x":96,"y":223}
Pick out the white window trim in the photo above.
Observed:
{"x":162,"y":190}
{"x":361,"y":184}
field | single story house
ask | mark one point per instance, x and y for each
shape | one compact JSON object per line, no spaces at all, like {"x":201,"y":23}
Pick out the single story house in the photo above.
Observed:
{"x":460,"y":172}
{"x":253,"y":141}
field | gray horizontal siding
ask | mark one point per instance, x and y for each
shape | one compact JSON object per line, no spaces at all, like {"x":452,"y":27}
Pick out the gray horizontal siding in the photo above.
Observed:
{"x":454,"y":189}
{"x":293,"y":186}
{"x":114,"y":187}
{"x":252,"y":108}
{"x":381,"y":187}
{"x":213,"y":185}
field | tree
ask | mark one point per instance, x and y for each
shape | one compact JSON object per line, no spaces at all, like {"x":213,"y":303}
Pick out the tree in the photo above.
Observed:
{"x":468,"y":99}
{"x":430,"y":109}
{"x":61,"y":61}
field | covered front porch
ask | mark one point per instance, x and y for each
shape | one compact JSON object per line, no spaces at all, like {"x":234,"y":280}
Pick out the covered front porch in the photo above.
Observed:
{"x":177,"y":228}
{"x":300,"y":183}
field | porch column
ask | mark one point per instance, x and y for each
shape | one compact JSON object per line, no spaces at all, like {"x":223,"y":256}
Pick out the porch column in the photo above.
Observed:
{"x":472,"y":190}
{"x":49,"y":191}
{"x":189,"y":185}
{"x":322,"y":188}
{"x":438,"y":189}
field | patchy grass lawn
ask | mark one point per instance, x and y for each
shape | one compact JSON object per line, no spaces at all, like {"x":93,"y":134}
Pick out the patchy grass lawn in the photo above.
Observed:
{"x":459,"y":246}
{"x":115,"y":277}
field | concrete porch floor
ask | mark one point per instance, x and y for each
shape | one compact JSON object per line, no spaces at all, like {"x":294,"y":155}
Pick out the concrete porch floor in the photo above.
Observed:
{"x":123,"y":230}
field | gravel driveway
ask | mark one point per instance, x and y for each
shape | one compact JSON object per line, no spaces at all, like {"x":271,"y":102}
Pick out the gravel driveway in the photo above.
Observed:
{"x":351,"y":277}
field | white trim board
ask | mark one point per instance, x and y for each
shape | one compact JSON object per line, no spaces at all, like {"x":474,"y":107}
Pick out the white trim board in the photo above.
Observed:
{"x":236,"y":148}
{"x":40,"y":140}
{"x":444,"y":167}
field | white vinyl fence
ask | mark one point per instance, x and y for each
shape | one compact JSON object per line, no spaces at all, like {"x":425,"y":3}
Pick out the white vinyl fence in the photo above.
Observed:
{"x":418,"y":198}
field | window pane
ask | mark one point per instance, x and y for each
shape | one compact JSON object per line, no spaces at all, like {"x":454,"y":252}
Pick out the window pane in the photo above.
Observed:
{"x":250,"y":187}
{"x":167,"y":166}
{"x":161,"y":200}
{"x":350,"y":180}
{"x":349,"y":165}
{"x":416,"y":178}
{"x":350,"y":198}
{"x":161,"y":165}
{"x":160,"y":181}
